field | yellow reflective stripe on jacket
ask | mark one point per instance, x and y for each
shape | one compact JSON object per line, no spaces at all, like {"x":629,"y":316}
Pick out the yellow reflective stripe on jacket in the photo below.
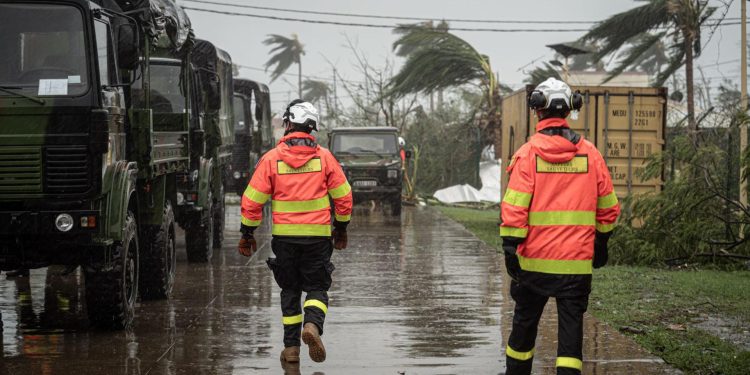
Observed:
{"x":256,"y":196}
{"x":605,"y":228}
{"x":521,"y":356}
{"x":607,"y":201}
{"x":517,"y":198}
{"x":291,"y":320}
{"x":343,"y":218}
{"x":317,"y":230}
{"x":513,"y":232}
{"x":569,"y":362}
{"x":562,"y":218}
{"x":250,"y":223}
{"x":300,"y":206}
{"x":555,"y":266}
{"x":316,"y":303}
{"x":340,"y":191}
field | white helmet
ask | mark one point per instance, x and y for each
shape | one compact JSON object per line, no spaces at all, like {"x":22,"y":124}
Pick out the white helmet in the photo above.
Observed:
{"x":554,"y":94}
{"x":302,"y":113}
{"x":401,"y":142}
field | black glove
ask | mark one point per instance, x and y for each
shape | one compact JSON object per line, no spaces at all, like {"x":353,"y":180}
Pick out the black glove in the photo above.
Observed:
{"x":601,"y":254}
{"x":511,"y":259}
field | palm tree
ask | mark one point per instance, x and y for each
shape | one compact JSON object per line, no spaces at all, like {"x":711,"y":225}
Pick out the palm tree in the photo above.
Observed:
{"x":437,"y":60}
{"x":313,"y":91}
{"x":287,"y":51}
{"x":676,"y":22}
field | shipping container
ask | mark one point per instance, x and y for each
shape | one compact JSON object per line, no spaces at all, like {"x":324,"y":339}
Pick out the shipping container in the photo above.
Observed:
{"x":627,"y":125}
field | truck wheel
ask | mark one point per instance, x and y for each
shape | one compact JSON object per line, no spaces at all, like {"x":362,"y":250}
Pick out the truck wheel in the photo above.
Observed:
{"x":158,"y":259}
{"x":199,"y":236}
{"x":219,"y":219}
{"x":396,"y":205}
{"x":111,"y":293}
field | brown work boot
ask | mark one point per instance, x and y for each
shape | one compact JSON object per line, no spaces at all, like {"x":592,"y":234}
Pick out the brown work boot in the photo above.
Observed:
{"x":290,"y":354}
{"x":311,"y":338}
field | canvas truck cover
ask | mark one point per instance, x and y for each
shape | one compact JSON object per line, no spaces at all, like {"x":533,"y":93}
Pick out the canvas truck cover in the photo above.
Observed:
{"x":165,"y":22}
{"x":627,"y":125}
{"x":214,"y":67}
{"x":262,"y":111}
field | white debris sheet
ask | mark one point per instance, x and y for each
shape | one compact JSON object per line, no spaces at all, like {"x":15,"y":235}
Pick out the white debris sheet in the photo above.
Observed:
{"x":489,"y":173}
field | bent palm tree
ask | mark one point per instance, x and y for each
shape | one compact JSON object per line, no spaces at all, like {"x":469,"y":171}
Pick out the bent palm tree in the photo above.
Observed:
{"x":314,"y":91}
{"x":437,"y":60}
{"x":642,"y":28}
{"x":287,"y":51}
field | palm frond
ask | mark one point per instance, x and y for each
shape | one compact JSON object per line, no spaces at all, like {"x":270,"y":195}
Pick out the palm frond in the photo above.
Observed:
{"x":635,"y":52}
{"x":286,"y":51}
{"x":436,"y":60}
{"x":615,"y":31}
{"x":313,"y":90}
{"x":540,"y":74}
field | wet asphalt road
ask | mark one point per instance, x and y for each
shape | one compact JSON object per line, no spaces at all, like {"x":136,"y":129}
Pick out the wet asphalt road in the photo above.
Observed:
{"x":419,"y":295}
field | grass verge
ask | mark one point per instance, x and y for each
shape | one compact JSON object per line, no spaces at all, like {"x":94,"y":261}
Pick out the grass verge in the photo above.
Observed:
{"x":696,"y":320}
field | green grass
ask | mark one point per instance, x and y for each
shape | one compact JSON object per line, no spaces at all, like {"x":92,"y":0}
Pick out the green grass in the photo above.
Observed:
{"x":659,"y":307}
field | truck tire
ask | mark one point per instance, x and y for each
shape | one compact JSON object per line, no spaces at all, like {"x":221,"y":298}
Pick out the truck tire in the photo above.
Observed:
{"x":199,"y":236}
{"x":111,"y":293}
{"x":158,"y":260}
{"x":396,"y":205}
{"x":219,"y":219}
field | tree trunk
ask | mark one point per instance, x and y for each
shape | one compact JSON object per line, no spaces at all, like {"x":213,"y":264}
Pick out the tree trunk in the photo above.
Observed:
{"x":496,"y":123}
{"x":692,"y":125}
{"x":299,"y":77}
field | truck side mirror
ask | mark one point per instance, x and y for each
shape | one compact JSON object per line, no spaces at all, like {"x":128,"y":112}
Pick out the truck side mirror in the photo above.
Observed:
{"x":127,"y":46}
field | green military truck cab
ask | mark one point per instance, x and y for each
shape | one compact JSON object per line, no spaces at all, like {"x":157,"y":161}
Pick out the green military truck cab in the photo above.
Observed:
{"x":372,"y":163}
{"x":253,"y":134}
{"x":87,"y":173}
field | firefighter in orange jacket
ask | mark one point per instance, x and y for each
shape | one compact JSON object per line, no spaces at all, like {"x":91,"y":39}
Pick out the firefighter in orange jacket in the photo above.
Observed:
{"x":557,"y":215}
{"x":299,"y":176}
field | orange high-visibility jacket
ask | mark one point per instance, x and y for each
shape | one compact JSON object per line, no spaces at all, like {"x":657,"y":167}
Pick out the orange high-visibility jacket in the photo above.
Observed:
{"x":298,"y":179}
{"x":558,"y":196}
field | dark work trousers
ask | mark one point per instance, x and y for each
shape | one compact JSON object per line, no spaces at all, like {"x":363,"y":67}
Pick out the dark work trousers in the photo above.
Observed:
{"x":302,"y":264}
{"x":528,"y":311}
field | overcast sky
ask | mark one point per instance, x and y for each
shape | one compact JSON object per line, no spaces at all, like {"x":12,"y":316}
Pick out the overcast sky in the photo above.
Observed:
{"x":509,"y":52}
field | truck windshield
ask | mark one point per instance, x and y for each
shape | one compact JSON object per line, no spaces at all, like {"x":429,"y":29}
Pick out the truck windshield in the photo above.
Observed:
{"x":377,"y":143}
{"x":43,"y":50}
{"x":166,"y":89}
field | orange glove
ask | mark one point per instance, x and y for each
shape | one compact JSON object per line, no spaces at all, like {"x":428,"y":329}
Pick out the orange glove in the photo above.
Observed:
{"x":247,"y":246}
{"x":340,"y":239}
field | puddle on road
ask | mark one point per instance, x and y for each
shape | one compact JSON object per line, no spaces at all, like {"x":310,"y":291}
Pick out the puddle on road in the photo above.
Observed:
{"x":416,"y":295}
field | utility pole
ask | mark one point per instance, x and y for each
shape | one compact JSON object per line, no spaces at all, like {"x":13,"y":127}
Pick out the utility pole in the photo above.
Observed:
{"x":335,"y":95}
{"x":743,"y":98}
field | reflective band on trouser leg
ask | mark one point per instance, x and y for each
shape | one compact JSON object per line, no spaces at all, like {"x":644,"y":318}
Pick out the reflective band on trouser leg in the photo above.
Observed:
{"x":521,"y":356}
{"x":517,"y":198}
{"x":513,"y":232}
{"x":604,"y":228}
{"x":543,"y":218}
{"x":300,"y":206}
{"x":316,"y":230}
{"x":607,"y":201}
{"x":292,"y":320}
{"x":250,"y":223}
{"x":316,"y":303}
{"x":569,"y":362}
{"x":255,"y":195}
{"x":340,"y":191}
{"x":562,"y":267}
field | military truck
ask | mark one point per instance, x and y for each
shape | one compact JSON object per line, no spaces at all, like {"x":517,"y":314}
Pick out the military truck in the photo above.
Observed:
{"x":372,"y":163}
{"x":253,"y":135}
{"x":88,"y":159}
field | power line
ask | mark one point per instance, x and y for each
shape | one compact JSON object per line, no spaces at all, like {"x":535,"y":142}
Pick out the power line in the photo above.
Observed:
{"x":382,"y":26}
{"x":375,"y":16}
{"x":379,"y":26}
